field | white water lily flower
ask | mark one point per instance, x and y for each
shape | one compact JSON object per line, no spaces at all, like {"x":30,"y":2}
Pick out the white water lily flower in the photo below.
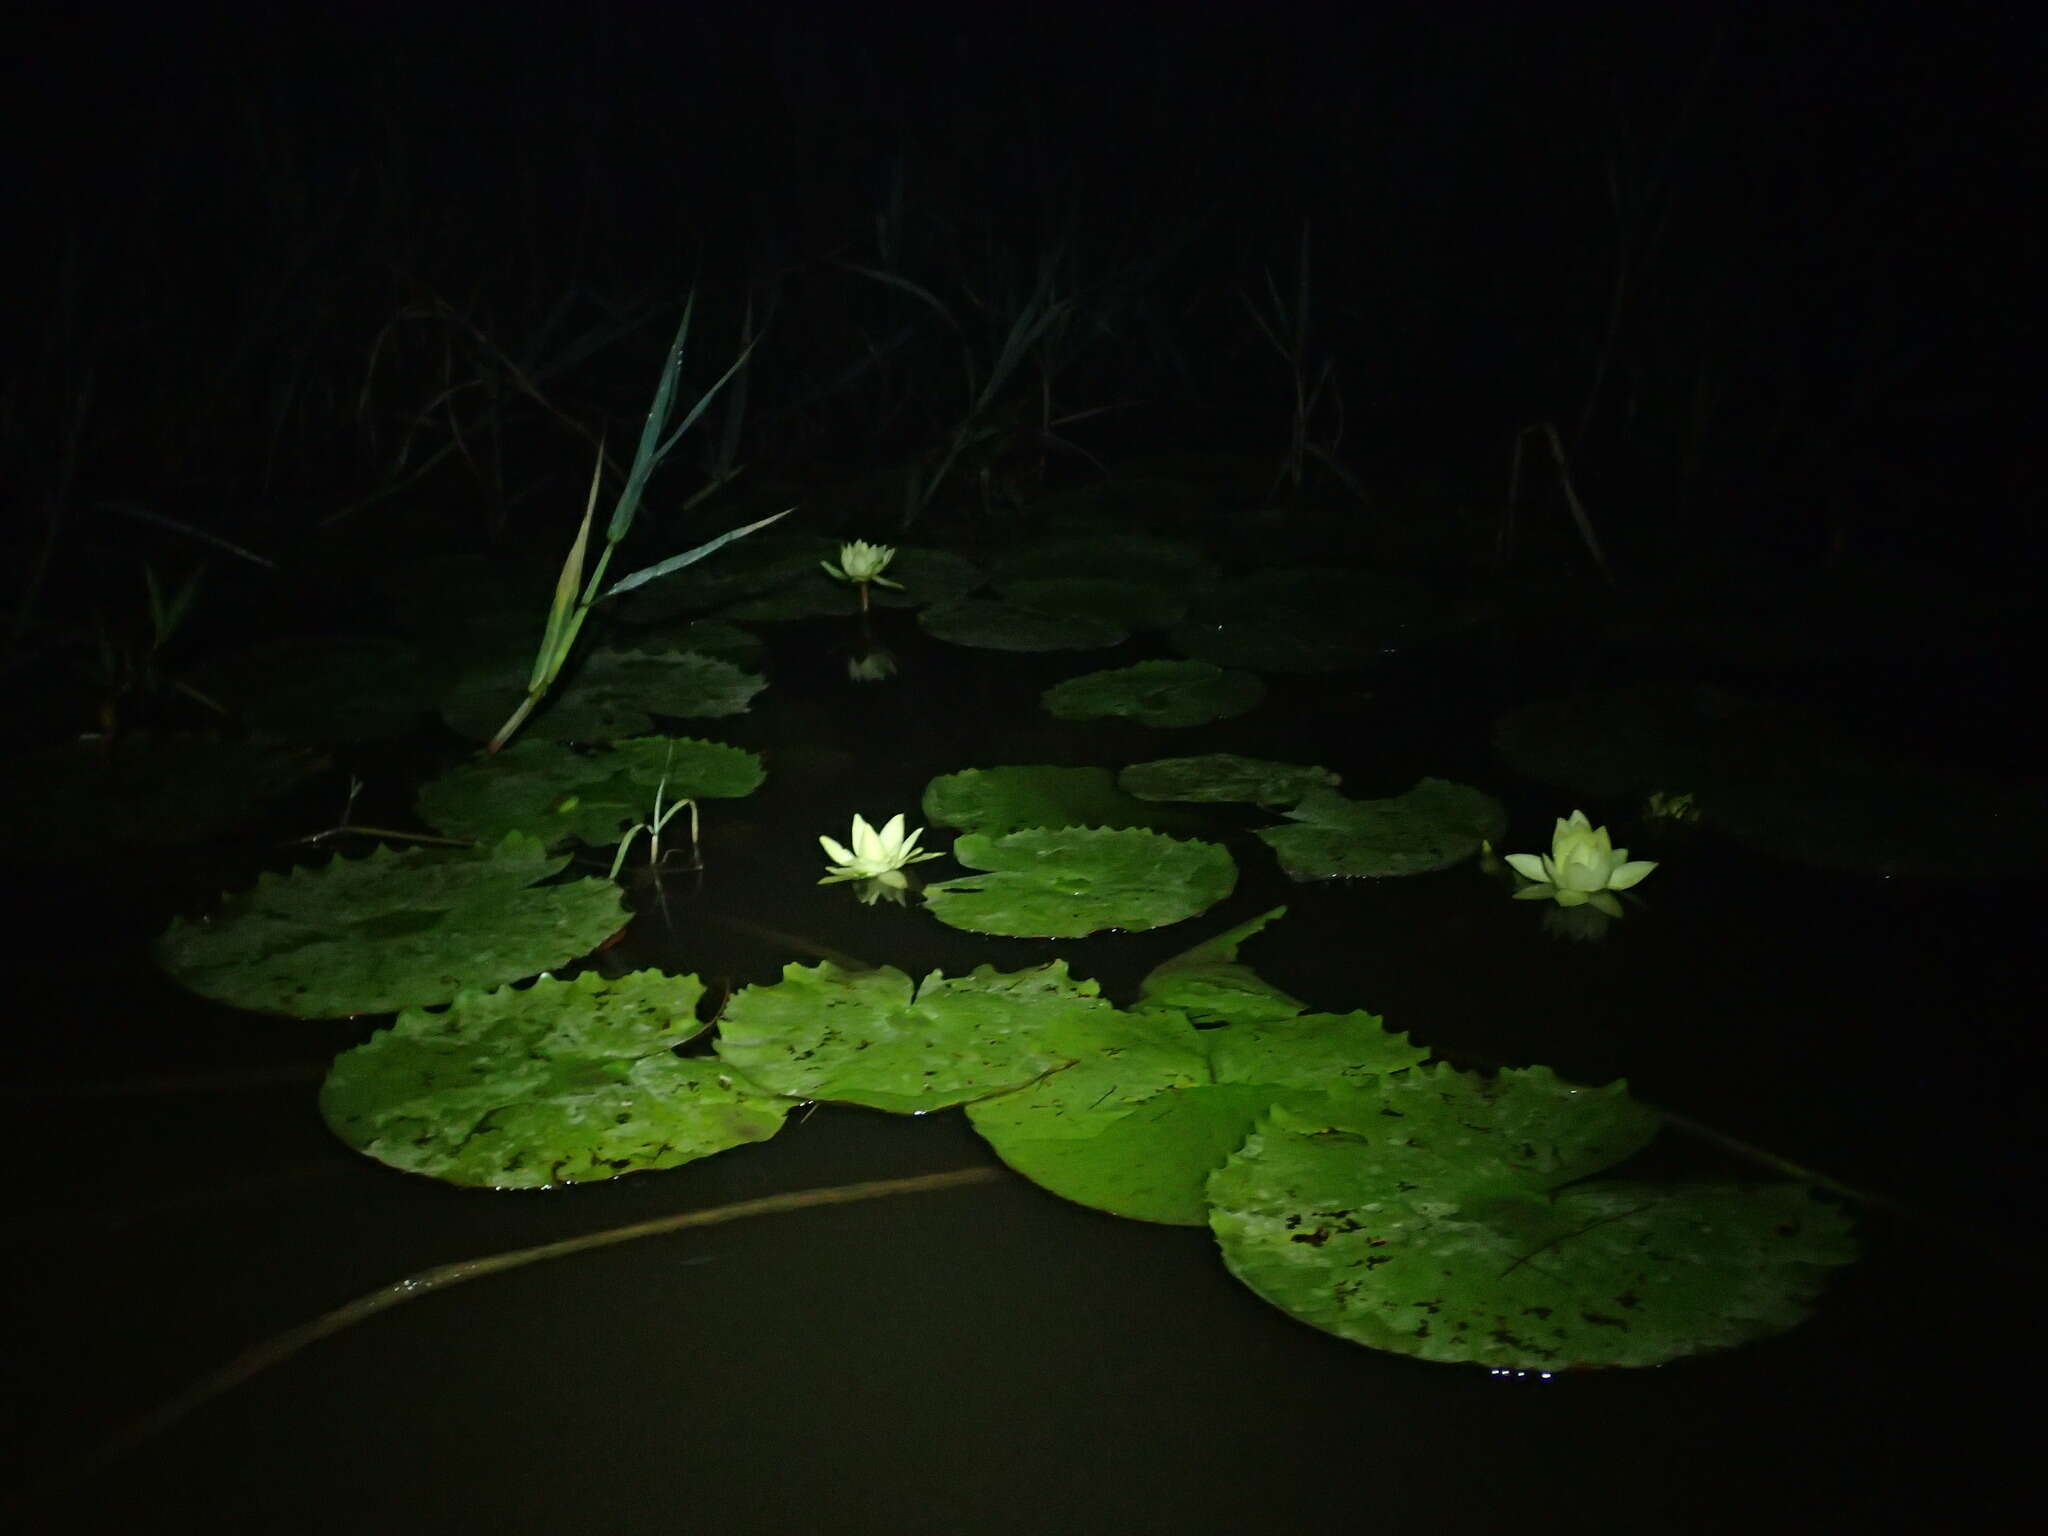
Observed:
{"x":861,"y":562}
{"x":875,"y":855}
{"x":1582,"y":866}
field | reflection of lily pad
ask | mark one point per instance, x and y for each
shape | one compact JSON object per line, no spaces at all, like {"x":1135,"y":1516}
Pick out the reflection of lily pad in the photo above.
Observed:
{"x":1433,"y":826}
{"x":874,"y":1038}
{"x":1161,"y":693}
{"x":1224,"y":776}
{"x":1450,"y":1217}
{"x":390,"y":931}
{"x":999,"y":800}
{"x":987,"y":624}
{"x":554,"y":792}
{"x":612,"y":694}
{"x":1065,"y":883}
{"x":557,"y":1083}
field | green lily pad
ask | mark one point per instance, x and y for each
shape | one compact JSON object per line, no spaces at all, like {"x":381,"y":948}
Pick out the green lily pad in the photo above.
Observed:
{"x":611,"y":695}
{"x":151,"y":791}
{"x":684,"y":768}
{"x":1433,"y":826}
{"x":1208,"y":984}
{"x":759,"y":563}
{"x":339,"y":688}
{"x":543,"y":788}
{"x":997,"y":626}
{"x":872,"y":1038}
{"x":562,"y":1082}
{"x":1224,"y":776}
{"x":1782,"y":780}
{"x":554,"y":792}
{"x":1068,"y":882}
{"x":1449,"y":1217}
{"x":390,"y":931}
{"x":1132,"y":605}
{"x":998,"y":800}
{"x":809,"y":595}
{"x":706,"y":637}
{"x":925,"y":577}
{"x":1162,"y":693}
{"x":1171,"y":565}
{"x":1153,"y":1106}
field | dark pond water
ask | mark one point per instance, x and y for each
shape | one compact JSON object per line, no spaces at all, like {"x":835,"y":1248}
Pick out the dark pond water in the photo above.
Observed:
{"x":991,"y":1359}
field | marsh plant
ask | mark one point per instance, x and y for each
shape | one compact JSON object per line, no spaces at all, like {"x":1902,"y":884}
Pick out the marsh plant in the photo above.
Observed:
{"x":574,"y":597}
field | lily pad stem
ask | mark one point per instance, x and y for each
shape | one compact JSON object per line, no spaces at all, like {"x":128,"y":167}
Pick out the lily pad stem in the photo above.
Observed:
{"x":282,"y":1346}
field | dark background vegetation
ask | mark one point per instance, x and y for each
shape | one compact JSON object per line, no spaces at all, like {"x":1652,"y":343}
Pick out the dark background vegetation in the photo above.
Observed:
{"x":1769,"y":270}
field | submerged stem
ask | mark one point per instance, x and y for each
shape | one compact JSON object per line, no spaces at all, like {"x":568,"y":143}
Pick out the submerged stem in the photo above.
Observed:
{"x":282,"y":1346}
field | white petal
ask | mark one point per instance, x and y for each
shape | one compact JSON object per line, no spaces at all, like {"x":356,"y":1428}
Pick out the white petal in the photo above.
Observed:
{"x":865,"y":843}
{"x":1629,"y":874}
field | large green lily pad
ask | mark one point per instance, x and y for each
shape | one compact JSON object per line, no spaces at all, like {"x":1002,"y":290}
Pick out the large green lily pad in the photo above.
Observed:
{"x":554,"y":792}
{"x":987,"y":624}
{"x":874,"y":1038}
{"x":706,"y":637}
{"x":1168,"y":564}
{"x":1224,"y":776}
{"x":391,"y":930}
{"x":1063,"y":883}
{"x":1132,"y":605}
{"x":1162,"y":693}
{"x":1153,"y":1105}
{"x":998,"y":800}
{"x":610,"y":695}
{"x":809,"y":595}
{"x":1433,"y":826}
{"x":758,"y":563}
{"x":1451,"y":1217}
{"x":562,"y":1082}
{"x":925,"y":577}
{"x":1209,"y":985}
